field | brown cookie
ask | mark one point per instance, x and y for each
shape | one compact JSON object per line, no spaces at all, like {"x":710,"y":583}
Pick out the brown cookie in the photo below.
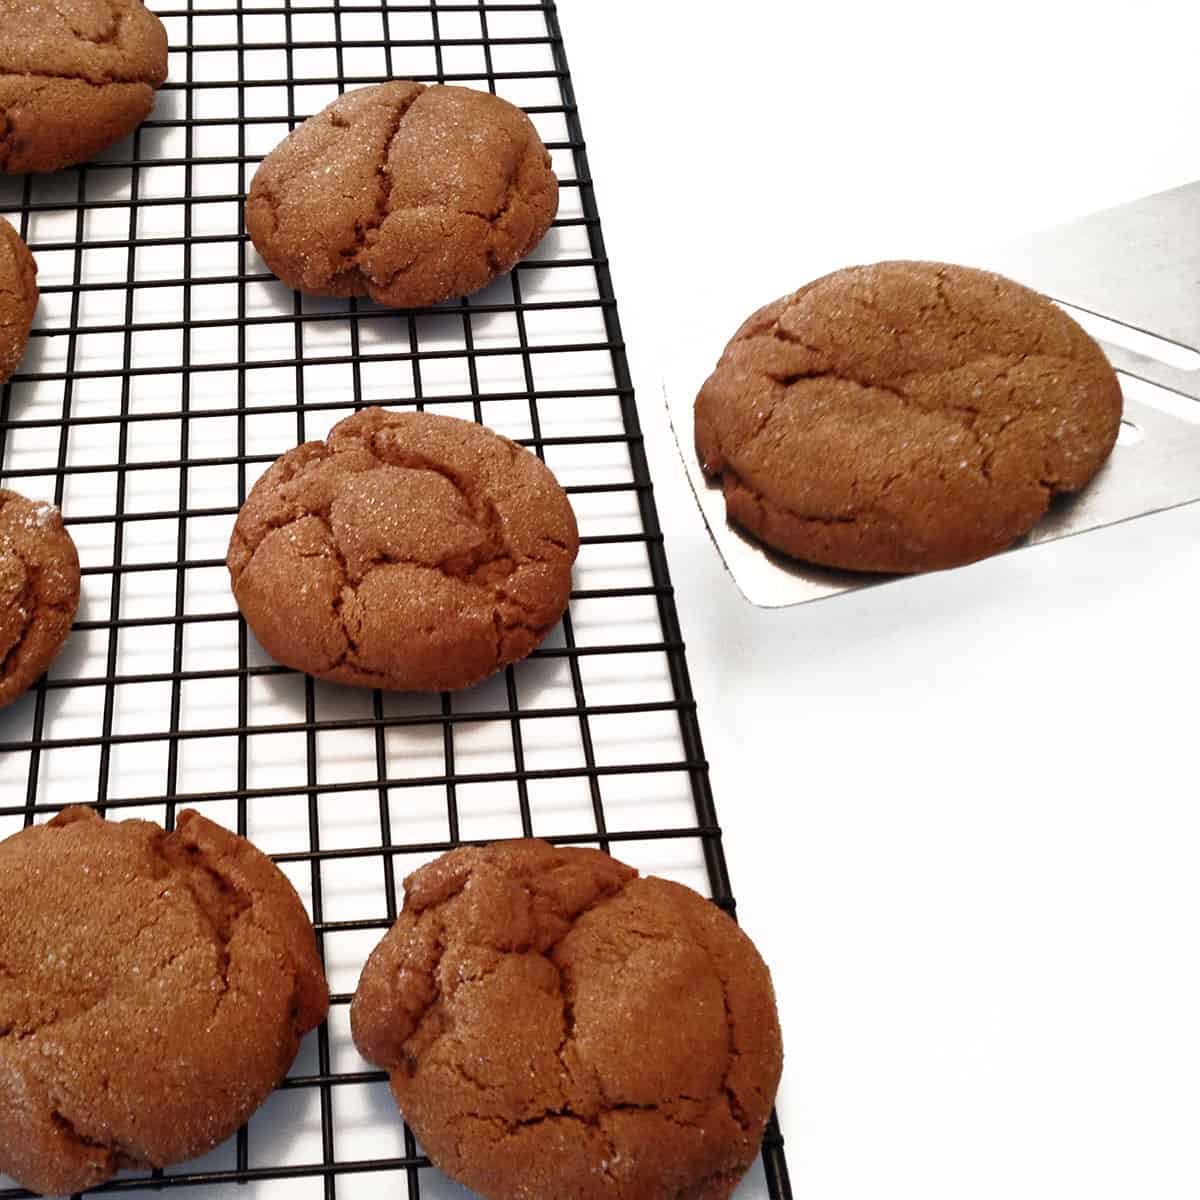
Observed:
{"x":408,"y":551}
{"x":18,"y":298}
{"x":555,"y":1026}
{"x":75,"y":76}
{"x":405,"y":193}
{"x":905,"y":416}
{"x":154,"y":988}
{"x":39,"y":591}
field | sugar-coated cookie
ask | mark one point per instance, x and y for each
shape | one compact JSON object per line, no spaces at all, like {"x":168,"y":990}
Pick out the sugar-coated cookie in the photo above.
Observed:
{"x":553,"y":1025}
{"x":407,"y":551}
{"x":75,"y":76}
{"x":405,"y":193}
{"x":39,"y":591}
{"x":904,"y":416}
{"x":154,"y":990}
{"x":18,"y":298}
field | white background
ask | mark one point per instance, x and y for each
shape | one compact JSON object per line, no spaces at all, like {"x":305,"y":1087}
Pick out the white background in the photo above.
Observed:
{"x":960,"y":811}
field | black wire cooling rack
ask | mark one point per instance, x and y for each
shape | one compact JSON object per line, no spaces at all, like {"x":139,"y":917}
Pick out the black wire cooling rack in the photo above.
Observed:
{"x":167,"y":368}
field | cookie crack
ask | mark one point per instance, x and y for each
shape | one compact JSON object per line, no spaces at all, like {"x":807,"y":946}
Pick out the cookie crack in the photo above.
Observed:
{"x":115,"y":1156}
{"x":776,"y":331}
{"x":939,"y":284}
{"x":412,"y":461}
{"x":501,"y":210}
{"x":512,"y":1129}
{"x":736,"y":1110}
{"x":221,"y":901}
{"x":779,"y":334}
{"x":8,"y":130}
{"x":482,"y":510}
{"x":524,"y":619}
{"x":606,"y":894}
{"x":364,"y":230}
{"x":331,"y":550}
{"x":25,"y":602}
{"x":440,"y":997}
{"x":107,"y":37}
{"x":596,"y":1121}
{"x":566,"y":992}
{"x":494,"y":218}
{"x":968,"y":415}
{"x":463,"y":568}
{"x":729,"y":473}
{"x":102,"y":79}
{"x":791,"y":380}
{"x":498,"y":629}
{"x":433,"y":1005}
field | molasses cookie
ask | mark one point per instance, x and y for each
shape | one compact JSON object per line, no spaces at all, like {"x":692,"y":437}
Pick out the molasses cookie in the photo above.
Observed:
{"x":554,"y":1025}
{"x":154,"y":989}
{"x":407,"y":551}
{"x":18,"y":298}
{"x":905,"y":416}
{"x":39,"y":592}
{"x":75,"y":76}
{"x":408,"y":194}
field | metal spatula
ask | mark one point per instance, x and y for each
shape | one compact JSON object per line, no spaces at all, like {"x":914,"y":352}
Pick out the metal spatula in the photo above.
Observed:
{"x":1138,"y":265}
{"x":1137,"y":269}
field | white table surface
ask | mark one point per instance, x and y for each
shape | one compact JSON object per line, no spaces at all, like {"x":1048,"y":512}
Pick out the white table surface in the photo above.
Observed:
{"x":960,"y":812}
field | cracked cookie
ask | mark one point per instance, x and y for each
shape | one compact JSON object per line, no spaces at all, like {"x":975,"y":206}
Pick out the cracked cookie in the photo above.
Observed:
{"x":18,"y":298}
{"x":39,"y":593}
{"x":154,"y":988}
{"x":408,"y":551}
{"x":75,"y":76}
{"x":554,"y":1025}
{"x":905,"y":416}
{"x":404,"y":193}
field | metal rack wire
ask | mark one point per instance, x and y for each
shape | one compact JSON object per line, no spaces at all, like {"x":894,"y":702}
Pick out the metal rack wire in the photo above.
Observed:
{"x":167,"y":369}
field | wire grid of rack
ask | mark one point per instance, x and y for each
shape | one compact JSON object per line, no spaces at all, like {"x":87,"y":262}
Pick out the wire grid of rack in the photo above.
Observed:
{"x":167,"y":368}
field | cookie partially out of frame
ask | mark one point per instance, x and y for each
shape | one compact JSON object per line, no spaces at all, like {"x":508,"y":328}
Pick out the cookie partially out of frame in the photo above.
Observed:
{"x":407,"y":551}
{"x":154,"y":990}
{"x":75,"y":76}
{"x":904,"y":416}
{"x":39,"y":592}
{"x":553,"y":1025}
{"x":18,"y":298}
{"x":404,"y":193}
